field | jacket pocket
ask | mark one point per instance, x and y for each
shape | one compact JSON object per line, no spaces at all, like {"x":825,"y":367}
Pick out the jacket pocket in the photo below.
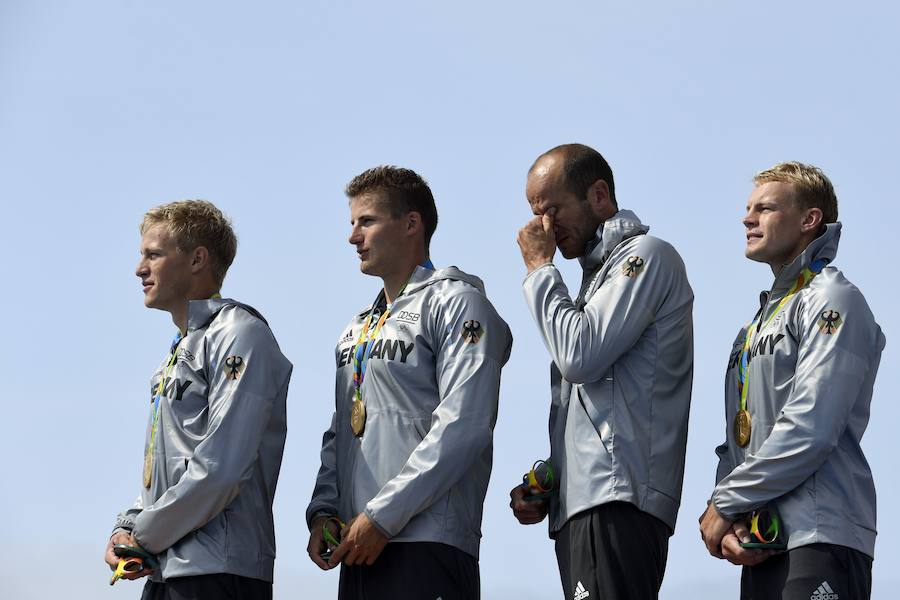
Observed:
{"x":213,"y":536}
{"x":597,"y":401}
{"x":176,"y":466}
{"x":421,"y":425}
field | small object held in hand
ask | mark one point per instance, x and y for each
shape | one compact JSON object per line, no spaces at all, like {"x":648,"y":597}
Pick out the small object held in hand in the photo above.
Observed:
{"x":765,"y":530}
{"x":540,"y":481}
{"x":132,"y":560}
{"x":126,"y":565}
{"x":331,"y":531}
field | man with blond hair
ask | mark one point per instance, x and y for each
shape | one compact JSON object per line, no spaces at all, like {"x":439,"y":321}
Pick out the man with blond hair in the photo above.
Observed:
{"x":217,"y":424}
{"x":795,"y":501}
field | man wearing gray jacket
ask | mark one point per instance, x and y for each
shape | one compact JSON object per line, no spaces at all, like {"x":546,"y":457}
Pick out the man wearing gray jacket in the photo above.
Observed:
{"x":798,"y":387}
{"x":407,"y":458}
{"x":217,"y":423}
{"x":622,"y":356}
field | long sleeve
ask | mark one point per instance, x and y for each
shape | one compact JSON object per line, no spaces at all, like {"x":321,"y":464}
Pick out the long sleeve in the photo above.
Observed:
{"x":585,"y":343}
{"x":326,"y":495}
{"x":125,"y":519}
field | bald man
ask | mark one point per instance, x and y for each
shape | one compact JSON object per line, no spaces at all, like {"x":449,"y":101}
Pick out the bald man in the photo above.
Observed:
{"x":622,"y":354}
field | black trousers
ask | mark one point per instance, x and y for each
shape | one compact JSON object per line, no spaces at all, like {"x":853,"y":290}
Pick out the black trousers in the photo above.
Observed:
{"x":221,"y":586}
{"x":612,"y":552}
{"x":413,"y":571}
{"x":814,"y":572}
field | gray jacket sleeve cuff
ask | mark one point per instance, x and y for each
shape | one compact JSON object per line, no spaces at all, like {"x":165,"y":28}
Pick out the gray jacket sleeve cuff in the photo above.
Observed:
{"x":540,"y":268}
{"x":724,"y":511}
{"x":120,"y":530}
{"x":123,"y":523}
{"x":368,"y":512}
{"x":321,"y":512}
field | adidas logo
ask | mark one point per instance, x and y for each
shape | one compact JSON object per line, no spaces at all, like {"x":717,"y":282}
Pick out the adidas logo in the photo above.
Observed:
{"x":824,"y":592}
{"x":581,"y":593}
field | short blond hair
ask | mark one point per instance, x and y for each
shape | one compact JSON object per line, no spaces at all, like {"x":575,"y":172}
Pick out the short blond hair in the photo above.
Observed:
{"x":812,"y":189}
{"x":195,"y":223}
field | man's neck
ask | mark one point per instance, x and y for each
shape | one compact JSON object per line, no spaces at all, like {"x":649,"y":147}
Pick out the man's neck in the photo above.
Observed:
{"x":596,"y":225}
{"x":394,"y":284}
{"x":779,"y":264}
{"x":396,"y":281}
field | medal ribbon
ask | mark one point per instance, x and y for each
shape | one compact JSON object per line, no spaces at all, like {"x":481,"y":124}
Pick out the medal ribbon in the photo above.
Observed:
{"x":159,"y":390}
{"x":363,"y":346}
{"x":803,"y":279}
{"x":167,"y":372}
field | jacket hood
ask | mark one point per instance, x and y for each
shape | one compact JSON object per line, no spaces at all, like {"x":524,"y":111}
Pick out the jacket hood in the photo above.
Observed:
{"x":202,"y":312}
{"x":422,"y":277}
{"x":612,"y":232}
{"x":823,"y":248}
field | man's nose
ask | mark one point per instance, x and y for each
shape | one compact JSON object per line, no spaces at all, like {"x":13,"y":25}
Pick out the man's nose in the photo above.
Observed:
{"x":748,"y":220}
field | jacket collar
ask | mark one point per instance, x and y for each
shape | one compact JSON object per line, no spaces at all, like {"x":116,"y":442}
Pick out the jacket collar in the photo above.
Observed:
{"x":202,"y":312}
{"x":612,"y":232}
{"x":423,"y":277}
{"x":823,"y":248}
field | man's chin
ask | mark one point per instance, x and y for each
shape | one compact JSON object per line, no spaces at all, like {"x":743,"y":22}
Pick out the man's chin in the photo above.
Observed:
{"x":151,"y":301}
{"x":367,"y":268}
{"x":155,"y":306}
{"x":568,"y":253}
{"x":755,"y":254}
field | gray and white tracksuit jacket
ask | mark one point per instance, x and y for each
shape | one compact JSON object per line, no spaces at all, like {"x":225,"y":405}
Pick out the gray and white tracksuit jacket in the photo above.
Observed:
{"x":812,"y":370}
{"x":420,"y":471}
{"x":219,"y":442}
{"x":621,"y":374}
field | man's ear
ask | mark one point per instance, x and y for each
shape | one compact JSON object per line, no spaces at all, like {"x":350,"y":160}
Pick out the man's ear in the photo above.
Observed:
{"x":414,"y":222}
{"x":600,"y":199}
{"x":812,"y":220}
{"x":199,"y":259}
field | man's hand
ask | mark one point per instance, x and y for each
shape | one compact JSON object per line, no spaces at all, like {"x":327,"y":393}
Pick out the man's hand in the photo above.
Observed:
{"x":537,"y":241}
{"x":713,"y":528}
{"x":316,"y":545}
{"x":527,"y":513}
{"x":360,"y":544}
{"x":122,"y":537}
{"x":735,"y":554}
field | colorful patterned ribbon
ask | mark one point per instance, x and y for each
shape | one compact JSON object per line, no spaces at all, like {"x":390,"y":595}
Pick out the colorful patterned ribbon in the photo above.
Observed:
{"x":159,"y":390}
{"x":803,"y":279}
{"x":362,"y":349}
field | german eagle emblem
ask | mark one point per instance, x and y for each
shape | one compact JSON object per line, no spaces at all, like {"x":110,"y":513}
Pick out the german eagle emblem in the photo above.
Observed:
{"x":472,"y":331}
{"x":234,"y":366}
{"x":829,"y":321}
{"x":633,"y":266}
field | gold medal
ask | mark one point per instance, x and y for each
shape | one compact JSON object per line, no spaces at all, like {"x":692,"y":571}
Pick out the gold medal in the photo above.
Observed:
{"x":358,"y":417}
{"x":148,"y":469}
{"x":742,"y":427}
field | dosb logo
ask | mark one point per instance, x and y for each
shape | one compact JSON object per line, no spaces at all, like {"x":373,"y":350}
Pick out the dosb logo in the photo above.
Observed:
{"x":408,"y":317}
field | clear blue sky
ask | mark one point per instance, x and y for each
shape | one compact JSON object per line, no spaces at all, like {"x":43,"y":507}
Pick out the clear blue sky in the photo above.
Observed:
{"x":267,"y":109}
